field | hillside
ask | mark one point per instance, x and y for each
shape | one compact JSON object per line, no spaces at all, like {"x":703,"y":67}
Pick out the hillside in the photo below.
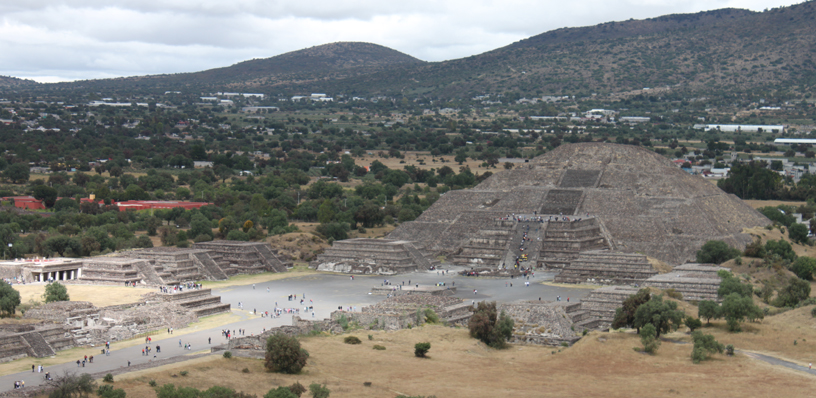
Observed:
{"x":329,"y":61}
{"x":727,"y":50}
{"x":8,"y":82}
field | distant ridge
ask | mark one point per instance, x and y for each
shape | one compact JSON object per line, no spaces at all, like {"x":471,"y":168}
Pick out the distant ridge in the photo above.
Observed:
{"x":728,"y":50}
{"x":9,"y":82}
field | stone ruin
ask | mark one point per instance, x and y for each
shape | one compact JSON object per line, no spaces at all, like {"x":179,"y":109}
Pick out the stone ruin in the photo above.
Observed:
{"x":374,"y":256}
{"x":544,"y":323}
{"x":62,"y":325}
{"x":216,"y":260}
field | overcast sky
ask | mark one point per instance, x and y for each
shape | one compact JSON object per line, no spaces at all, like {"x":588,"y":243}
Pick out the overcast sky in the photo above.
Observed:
{"x":58,"y":40}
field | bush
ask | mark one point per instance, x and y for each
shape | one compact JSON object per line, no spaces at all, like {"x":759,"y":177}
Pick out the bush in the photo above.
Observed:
{"x":704,"y":344}
{"x":352,"y":340}
{"x":421,"y":349}
{"x":55,"y":292}
{"x":108,"y":378}
{"x":319,"y":391}
{"x":729,"y":350}
{"x":297,"y":389}
{"x":284,"y":355}
{"x":491,"y":329}
{"x":152,"y":383}
{"x":370,"y":337}
{"x":671,"y":292}
{"x":227,"y":354}
{"x":648,"y":339}
{"x":381,"y":348}
{"x":804,"y":267}
{"x":798,"y":233}
{"x":781,"y":248}
{"x":245,"y":370}
{"x":813,"y":312}
{"x":184,"y":373}
{"x":716,"y":252}
{"x":796,"y":291}
{"x":107,"y":391}
{"x":755,"y":249}
{"x":430,"y":316}
{"x":693,"y":323}
{"x":280,"y":392}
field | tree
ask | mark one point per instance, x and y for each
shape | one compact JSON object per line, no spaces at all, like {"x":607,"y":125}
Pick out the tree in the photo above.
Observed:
{"x":804,"y":267}
{"x":648,"y":338}
{"x":704,"y":344}
{"x":708,"y":310}
{"x":55,"y":292}
{"x":17,"y":173}
{"x":421,"y":349}
{"x":730,"y":284}
{"x":693,"y":323}
{"x":796,"y":291}
{"x":170,"y":391}
{"x":70,"y":385}
{"x":798,"y":233}
{"x":664,"y":315}
{"x":491,"y":329}
{"x":46,"y":194}
{"x":284,"y":355}
{"x":325,"y":214}
{"x":334,"y":230}
{"x":736,"y":308}
{"x":9,"y":298}
{"x":319,"y":391}
{"x":625,"y":315}
{"x":153,"y":223}
{"x":66,"y":204}
{"x":200,"y":225}
{"x":107,"y":391}
{"x":781,"y":248}
{"x":223,"y":172}
{"x":716,"y":252}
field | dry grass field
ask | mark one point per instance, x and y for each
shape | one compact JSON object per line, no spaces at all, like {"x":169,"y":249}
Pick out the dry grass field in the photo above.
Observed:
{"x":413,"y":159}
{"x":773,"y":203}
{"x":100,"y":296}
{"x":601,"y":364}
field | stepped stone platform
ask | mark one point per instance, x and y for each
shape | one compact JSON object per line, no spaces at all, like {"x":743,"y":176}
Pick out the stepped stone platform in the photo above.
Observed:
{"x":640,"y":201}
{"x":244,"y":257}
{"x":607,"y":268}
{"x":200,"y":302}
{"x":696,"y":282}
{"x":373,"y":256}
{"x":541,"y":323}
{"x":601,"y":304}
{"x":37,"y":340}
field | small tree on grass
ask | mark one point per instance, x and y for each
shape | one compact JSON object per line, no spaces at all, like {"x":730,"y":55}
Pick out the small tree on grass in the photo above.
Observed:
{"x":663,"y":315}
{"x":297,"y":388}
{"x":284,"y":355}
{"x":704,"y":344}
{"x":793,"y":293}
{"x":107,"y":391}
{"x":55,"y":292}
{"x":280,"y":392}
{"x":716,"y":252}
{"x":735,"y":309}
{"x":708,"y":310}
{"x":693,"y":323}
{"x":625,"y":315}
{"x":319,"y":391}
{"x":491,"y":329}
{"x":804,"y":267}
{"x":648,"y":339}
{"x":9,"y":298}
{"x":421,"y":349}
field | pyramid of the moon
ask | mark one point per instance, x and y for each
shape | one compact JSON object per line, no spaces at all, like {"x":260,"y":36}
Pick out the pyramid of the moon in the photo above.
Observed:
{"x":617,"y":197}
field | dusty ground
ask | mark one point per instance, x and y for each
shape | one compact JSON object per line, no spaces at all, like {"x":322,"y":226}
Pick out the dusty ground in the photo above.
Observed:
{"x":413,"y":159}
{"x":602,"y":364}
{"x":100,"y":296}
{"x":299,"y":246}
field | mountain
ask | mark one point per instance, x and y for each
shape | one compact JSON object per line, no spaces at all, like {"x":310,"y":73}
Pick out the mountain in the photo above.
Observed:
{"x":727,"y":50}
{"x":334,"y":61}
{"x":13,"y":82}
{"x":721,"y":51}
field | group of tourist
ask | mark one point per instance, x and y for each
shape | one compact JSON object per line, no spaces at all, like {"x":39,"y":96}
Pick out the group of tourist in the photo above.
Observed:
{"x":179,"y":288}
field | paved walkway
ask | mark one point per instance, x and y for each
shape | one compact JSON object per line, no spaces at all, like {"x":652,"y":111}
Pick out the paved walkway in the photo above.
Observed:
{"x":325,"y":292}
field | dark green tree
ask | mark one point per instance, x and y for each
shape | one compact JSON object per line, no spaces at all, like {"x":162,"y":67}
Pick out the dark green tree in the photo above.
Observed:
{"x":648,"y":337}
{"x":798,"y":233}
{"x":704,"y":345}
{"x":46,"y":194}
{"x":9,"y":298}
{"x":56,"y":292}
{"x":17,"y":173}
{"x":625,"y":315}
{"x":781,"y":248}
{"x":284,"y":354}
{"x":491,"y":329}
{"x":708,"y":310}
{"x":804,"y":267}
{"x":280,"y":392}
{"x":716,"y":252}
{"x":664,"y":315}
{"x":736,"y":308}
{"x":70,"y":385}
{"x":796,"y":291}
{"x":421,"y":349}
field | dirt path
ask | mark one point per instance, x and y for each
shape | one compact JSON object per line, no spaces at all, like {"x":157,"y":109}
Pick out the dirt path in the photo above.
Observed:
{"x":778,"y":362}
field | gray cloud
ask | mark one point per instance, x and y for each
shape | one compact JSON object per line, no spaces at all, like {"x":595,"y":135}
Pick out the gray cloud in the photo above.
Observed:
{"x":52,"y":40}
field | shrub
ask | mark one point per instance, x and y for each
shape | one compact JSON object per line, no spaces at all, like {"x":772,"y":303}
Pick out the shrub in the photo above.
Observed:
{"x":804,"y":267}
{"x":421,"y":349}
{"x":381,"y":348}
{"x":184,"y":373}
{"x":716,"y":252}
{"x":352,"y":340}
{"x":245,"y":370}
{"x":796,"y":291}
{"x":370,"y":337}
{"x":108,"y":378}
{"x":152,"y":383}
{"x":319,"y":391}
{"x":648,"y":339}
{"x":729,"y":350}
{"x":704,"y":344}
{"x":343,"y":321}
{"x":280,"y":392}
{"x":55,"y":292}
{"x":284,"y":355}
{"x":297,"y":389}
{"x":813,"y":312}
{"x":227,"y":354}
{"x":491,"y":329}
{"x":671,"y":292}
{"x":693,"y":323}
{"x":430,"y":316}
{"x":107,"y":391}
